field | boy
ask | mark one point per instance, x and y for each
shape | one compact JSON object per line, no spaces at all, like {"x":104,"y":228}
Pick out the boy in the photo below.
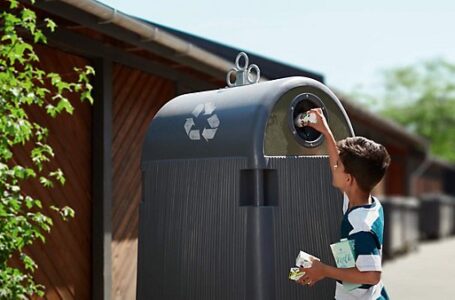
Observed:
{"x":357,"y":166}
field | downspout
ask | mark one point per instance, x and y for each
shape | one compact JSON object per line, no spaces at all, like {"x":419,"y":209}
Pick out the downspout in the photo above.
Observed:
{"x":148,"y":32}
{"x":418,"y":172}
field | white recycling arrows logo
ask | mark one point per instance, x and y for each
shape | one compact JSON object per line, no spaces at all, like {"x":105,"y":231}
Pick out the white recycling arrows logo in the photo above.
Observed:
{"x":208,"y":132}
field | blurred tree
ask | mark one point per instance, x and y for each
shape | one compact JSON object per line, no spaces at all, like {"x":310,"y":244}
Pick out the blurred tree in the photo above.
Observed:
{"x":421,"y":97}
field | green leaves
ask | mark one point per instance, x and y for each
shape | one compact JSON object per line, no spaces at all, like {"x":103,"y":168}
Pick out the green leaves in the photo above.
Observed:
{"x":84,"y":82}
{"x":17,"y":285}
{"x":58,"y":175}
{"x":46,"y":182}
{"x":28,"y":262}
{"x":65,"y":212}
{"x":24,"y":85}
{"x":20,"y":172}
{"x":40,"y":154}
{"x":50,"y":24}
{"x":421,"y":97}
{"x":13,"y":4}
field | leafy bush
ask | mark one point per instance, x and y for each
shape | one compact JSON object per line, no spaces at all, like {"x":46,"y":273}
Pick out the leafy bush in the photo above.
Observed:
{"x":22,"y":85}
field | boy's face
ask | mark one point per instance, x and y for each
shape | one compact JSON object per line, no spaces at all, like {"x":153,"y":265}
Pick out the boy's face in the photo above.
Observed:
{"x":340,"y":179}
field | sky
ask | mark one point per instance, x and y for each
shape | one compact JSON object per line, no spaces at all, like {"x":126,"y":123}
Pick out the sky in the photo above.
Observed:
{"x":349,"y":42}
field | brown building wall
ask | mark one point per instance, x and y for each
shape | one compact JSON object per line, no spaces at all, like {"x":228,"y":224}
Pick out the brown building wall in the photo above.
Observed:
{"x":429,"y":185}
{"x":137,"y":96}
{"x":64,"y":261}
{"x":396,"y":179}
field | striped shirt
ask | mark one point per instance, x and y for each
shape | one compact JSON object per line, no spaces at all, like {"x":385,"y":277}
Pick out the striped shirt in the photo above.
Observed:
{"x":365,"y":225}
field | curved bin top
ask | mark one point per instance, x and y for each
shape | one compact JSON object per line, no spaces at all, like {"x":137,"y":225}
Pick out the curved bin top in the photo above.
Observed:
{"x":232,"y":122}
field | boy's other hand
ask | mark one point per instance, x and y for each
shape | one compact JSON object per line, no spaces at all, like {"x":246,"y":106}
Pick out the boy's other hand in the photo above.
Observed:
{"x":321,"y":122}
{"x":313,"y":274}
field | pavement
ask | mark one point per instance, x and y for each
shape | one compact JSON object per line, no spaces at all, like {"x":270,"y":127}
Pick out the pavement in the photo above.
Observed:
{"x":427,"y":273}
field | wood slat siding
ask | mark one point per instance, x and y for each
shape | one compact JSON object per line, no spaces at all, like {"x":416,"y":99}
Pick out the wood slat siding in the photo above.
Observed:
{"x":396,"y":182}
{"x":137,"y":98}
{"x":64,"y":260}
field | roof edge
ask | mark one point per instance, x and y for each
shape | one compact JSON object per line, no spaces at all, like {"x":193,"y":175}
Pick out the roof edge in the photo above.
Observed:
{"x":150,"y":33}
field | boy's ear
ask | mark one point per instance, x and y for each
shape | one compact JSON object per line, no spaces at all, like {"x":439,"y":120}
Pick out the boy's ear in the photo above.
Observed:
{"x":350,"y":179}
{"x":353,"y":181}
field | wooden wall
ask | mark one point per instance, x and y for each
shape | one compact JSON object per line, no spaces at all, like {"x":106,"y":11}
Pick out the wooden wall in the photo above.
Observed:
{"x":137,"y":96}
{"x":429,"y":185}
{"x":397,"y":177}
{"x":396,"y":180}
{"x":64,"y":261}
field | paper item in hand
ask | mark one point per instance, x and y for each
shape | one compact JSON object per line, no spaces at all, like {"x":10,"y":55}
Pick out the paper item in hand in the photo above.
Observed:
{"x":295,"y":274}
{"x":304,"y":260}
{"x":305,"y":118}
{"x":343,"y":253}
{"x":309,"y":117}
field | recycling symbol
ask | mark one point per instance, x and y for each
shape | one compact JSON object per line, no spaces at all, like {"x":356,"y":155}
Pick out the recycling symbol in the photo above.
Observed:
{"x":211,"y":125}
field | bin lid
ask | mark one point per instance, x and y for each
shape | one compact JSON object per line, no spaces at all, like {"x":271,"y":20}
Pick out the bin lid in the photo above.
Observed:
{"x":228,"y":122}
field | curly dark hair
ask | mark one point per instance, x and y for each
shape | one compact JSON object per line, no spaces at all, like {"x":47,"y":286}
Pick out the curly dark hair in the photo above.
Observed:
{"x":366,"y":160}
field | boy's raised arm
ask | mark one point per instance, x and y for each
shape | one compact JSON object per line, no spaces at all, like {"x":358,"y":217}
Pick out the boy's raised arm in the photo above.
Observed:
{"x":322,"y":126}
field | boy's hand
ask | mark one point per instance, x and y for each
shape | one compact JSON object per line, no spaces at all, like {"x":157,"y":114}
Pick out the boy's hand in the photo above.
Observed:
{"x":313,"y":274}
{"x":321,"y":122}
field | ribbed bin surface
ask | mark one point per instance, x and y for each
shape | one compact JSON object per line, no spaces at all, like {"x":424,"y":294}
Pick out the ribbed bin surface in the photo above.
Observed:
{"x":192,"y":231}
{"x":308,"y":218}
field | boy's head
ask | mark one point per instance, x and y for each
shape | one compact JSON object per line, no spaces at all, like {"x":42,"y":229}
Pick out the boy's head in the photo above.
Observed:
{"x":363,"y":159}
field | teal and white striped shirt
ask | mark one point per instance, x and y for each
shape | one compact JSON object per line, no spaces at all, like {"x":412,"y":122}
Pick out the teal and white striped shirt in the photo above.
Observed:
{"x":365,"y":225}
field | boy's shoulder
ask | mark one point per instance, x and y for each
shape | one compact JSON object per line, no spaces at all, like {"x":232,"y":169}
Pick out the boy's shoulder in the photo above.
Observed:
{"x":367,"y":218}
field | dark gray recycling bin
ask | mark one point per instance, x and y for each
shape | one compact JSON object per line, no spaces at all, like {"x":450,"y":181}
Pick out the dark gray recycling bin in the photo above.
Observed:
{"x":411,"y":223}
{"x":232,"y":191}
{"x":393,"y":226}
{"x":401,"y":227}
{"x":436,"y":216}
{"x":452,"y":199}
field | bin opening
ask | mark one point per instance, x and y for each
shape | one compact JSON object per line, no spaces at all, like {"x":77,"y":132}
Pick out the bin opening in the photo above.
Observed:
{"x":306,"y":136}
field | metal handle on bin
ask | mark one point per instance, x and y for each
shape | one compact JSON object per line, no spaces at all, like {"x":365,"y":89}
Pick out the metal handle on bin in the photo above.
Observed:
{"x":243,"y":73}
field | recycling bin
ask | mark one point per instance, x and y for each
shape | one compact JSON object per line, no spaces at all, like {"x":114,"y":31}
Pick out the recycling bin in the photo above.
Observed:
{"x":401,"y":225}
{"x":393,"y":226}
{"x":452,"y":198}
{"x":410,"y":207}
{"x":436,"y":216}
{"x":233,"y":190}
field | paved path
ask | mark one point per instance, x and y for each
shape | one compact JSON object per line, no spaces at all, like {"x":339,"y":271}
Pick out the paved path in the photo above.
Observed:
{"x":428,"y":273}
